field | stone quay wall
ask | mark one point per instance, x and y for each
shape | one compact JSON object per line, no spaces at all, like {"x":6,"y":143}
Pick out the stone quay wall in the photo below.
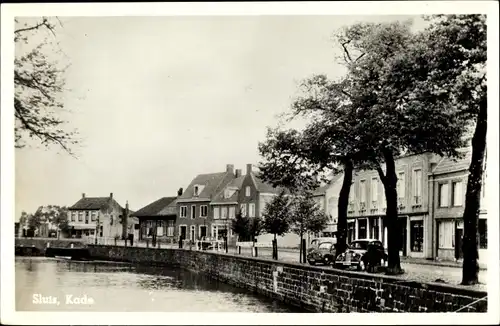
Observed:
{"x":41,"y":243}
{"x":312,"y":288}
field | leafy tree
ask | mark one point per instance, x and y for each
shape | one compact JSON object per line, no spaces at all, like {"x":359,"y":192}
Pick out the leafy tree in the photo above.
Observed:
{"x":241,"y":226}
{"x":446,"y":70}
{"x":34,"y":222}
{"x":38,"y":83}
{"x":305,"y":217}
{"x":389,"y":125}
{"x":276,"y":219}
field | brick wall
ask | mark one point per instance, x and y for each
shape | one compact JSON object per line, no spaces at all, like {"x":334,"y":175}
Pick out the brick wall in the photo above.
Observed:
{"x":313,"y":288}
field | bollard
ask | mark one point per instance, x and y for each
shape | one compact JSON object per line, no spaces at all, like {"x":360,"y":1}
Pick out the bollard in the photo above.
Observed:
{"x":159,"y":245}
{"x":239,"y":250}
{"x":72,"y":245}
{"x":48,"y":244}
{"x":147,"y":243}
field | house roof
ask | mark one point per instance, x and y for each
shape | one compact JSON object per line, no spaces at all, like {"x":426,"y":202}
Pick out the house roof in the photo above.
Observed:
{"x":92,"y":203}
{"x":157,"y":208}
{"x":264,"y":186}
{"x":211,"y":182}
{"x":448,"y":164}
{"x":235,"y":184}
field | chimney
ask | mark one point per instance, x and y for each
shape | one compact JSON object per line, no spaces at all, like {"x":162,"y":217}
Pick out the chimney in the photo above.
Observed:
{"x":238,"y":173}
{"x":83,"y":195}
{"x":126,"y":206}
{"x":249,"y":168}
{"x":110,"y":195}
{"x":179,"y":192}
{"x":230,"y":168}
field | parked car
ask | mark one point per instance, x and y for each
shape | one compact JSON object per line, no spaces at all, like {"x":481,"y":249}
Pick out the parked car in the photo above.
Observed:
{"x":322,"y":252}
{"x":362,"y":254}
{"x":316,"y":241}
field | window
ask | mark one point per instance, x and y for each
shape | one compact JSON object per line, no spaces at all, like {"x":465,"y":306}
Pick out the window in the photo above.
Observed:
{"x":417,"y":187}
{"x":223,"y":212}
{"x":216,"y":213}
{"x":417,"y":236}
{"x":457,"y":193}
{"x":193,"y":211}
{"x":204,"y":211}
{"x":232,"y":212}
{"x":170,"y":228}
{"x":443,"y":195}
{"x":362,"y":228}
{"x":446,"y":234}
{"x":87,"y":217}
{"x":159,"y":228}
{"x":483,"y":234}
{"x":362,"y":191}
{"x":80,"y":216}
{"x":94,"y":216}
{"x":352,"y":194}
{"x":196,"y":189}
{"x":374,"y":190}
{"x":183,"y":211}
{"x":374,"y":228}
{"x":401,"y":185}
{"x":247,"y":191}
{"x":74,"y":216}
{"x":243,"y":210}
{"x":251,"y":210}
{"x":192,"y":233}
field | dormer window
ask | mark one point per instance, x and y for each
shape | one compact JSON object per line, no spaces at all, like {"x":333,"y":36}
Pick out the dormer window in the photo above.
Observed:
{"x":196,"y":189}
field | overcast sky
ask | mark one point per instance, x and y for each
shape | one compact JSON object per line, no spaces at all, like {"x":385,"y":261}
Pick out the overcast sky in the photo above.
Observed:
{"x":159,"y":100}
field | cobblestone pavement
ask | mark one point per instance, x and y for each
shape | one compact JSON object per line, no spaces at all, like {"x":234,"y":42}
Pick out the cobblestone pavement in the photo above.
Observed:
{"x":413,"y":271}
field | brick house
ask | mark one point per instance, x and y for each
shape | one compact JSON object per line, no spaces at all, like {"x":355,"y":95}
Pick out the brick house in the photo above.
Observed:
{"x":101,"y":215}
{"x":224,"y":207}
{"x":448,"y":181}
{"x":195,"y":215}
{"x":158,"y":219}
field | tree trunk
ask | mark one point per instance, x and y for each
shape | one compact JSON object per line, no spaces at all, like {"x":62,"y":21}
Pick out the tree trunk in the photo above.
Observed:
{"x":300,"y":248}
{"x":304,"y":258}
{"x":473,"y":199}
{"x":343,"y":204}
{"x":275,"y":248}
{"x":391,"y":221}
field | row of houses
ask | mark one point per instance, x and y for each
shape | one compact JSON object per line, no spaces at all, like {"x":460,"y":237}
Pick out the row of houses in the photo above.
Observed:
{"x":431,"y":191}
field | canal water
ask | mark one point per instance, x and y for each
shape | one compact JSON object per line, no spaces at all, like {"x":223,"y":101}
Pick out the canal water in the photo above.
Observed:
{"x":50,"y":284}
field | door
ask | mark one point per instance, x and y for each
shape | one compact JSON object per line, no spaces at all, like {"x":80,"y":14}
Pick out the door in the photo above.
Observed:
{"x":183,"y":231}
{"x":459,"y":233}
{"x":403,"y":235}
{"x":203,"y":231}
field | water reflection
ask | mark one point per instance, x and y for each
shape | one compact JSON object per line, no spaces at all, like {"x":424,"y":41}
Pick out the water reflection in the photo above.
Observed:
{"x":127,"y":287}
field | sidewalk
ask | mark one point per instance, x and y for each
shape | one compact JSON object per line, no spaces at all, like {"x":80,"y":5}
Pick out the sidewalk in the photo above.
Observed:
{"x":423,"y":261}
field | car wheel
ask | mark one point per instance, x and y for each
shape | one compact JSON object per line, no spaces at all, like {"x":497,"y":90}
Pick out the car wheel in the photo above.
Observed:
{"x":312,"y":263}
{"x":327,"y":260}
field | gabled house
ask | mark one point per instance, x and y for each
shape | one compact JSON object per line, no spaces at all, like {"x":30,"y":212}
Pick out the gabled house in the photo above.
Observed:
{"x":157,"y":220}
{"x":101,"y":216}
{"x":195,"y":214}
{"x":224,"y":206}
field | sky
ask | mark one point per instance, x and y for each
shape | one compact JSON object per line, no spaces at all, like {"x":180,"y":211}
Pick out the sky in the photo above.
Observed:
{"x":158,"y":100}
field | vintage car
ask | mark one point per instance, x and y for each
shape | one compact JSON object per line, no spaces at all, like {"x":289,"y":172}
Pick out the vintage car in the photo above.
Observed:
{"x":362,"y":254}
{"x":322,"y":252}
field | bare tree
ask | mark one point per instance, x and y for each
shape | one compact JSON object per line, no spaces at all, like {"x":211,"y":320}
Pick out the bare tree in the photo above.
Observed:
{"x":38,"y":84}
